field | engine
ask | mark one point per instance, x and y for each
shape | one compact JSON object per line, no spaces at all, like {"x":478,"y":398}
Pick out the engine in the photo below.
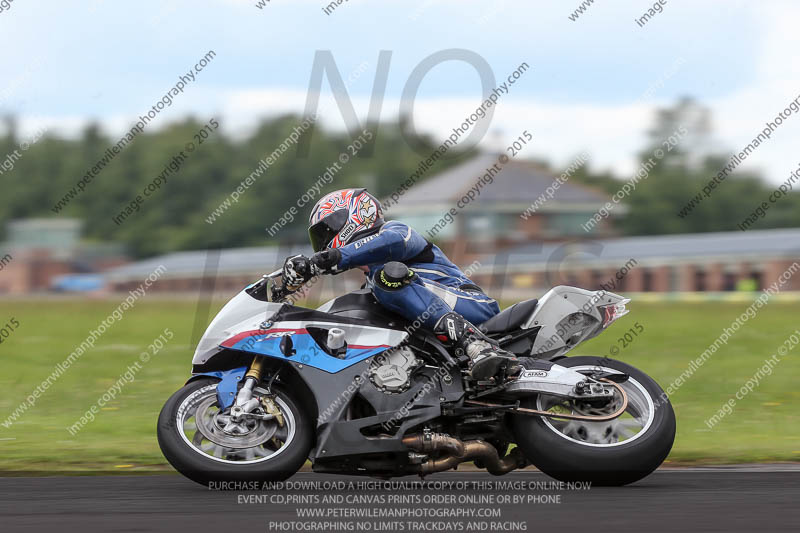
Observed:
{"x":391,"y":372}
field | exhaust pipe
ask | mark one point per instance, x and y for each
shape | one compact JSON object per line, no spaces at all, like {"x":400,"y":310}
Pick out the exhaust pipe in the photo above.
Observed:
{"x":459,"y":451}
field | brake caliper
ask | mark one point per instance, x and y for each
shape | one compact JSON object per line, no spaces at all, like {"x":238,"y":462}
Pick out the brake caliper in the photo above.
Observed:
{"x":272,"y":409}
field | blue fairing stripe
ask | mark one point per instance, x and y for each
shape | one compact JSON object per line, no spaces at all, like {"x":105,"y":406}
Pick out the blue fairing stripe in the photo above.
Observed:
{"x":307,"y":350}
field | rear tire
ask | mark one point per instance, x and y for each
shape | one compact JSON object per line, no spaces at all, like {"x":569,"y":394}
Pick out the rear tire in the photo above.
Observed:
{"x":199,"y":466}
{"x":565,"y":458}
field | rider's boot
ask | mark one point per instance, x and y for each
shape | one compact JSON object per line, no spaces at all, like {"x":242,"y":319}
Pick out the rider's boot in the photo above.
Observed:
{"x":486,"y":357}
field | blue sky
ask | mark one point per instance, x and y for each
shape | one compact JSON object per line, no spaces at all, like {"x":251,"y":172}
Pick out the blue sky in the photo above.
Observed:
{"x":69,"y":62}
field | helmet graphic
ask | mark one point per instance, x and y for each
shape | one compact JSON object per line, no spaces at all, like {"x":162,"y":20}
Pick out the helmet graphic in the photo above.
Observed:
{"x":341,"y":215}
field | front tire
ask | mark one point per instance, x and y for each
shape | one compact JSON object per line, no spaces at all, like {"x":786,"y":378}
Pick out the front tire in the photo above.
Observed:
{"x":269,"y":451}
{"x":603,"y":453}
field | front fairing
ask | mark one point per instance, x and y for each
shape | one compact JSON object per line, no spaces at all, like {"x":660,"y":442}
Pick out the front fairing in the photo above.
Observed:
{"x":241,"y":313}
{"x":248,"y":324}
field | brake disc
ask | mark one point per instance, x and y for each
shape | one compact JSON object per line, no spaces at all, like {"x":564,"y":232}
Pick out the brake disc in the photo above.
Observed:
{"x":213,"y":427}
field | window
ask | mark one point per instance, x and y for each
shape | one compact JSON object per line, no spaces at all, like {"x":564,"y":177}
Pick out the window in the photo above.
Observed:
{"x":433,"y":222}
{"x":647,"y":280}
{"x":699,"y":279}
{"x":567,"y":223}
{"x":729,"y":281}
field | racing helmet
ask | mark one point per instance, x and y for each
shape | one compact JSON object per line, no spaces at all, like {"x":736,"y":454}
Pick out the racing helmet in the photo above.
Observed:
{"x":340,"y":216}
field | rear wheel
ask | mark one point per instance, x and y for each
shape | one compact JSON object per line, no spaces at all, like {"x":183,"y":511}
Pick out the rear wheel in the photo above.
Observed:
{"x":617,"y":452}
{"x":204,"y":444}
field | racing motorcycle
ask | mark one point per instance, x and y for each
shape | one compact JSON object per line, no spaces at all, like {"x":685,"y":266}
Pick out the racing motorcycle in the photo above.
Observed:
{"x":356,"y":389}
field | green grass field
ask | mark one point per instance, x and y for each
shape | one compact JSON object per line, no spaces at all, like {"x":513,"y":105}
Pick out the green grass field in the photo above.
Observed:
{"x":764,"y":425}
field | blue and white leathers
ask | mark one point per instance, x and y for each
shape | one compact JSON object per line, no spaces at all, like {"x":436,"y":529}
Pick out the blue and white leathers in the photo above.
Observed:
{"x":435,"y":291}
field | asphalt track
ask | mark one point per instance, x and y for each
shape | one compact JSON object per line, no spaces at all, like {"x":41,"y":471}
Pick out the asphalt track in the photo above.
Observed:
{"x":762,"y":500}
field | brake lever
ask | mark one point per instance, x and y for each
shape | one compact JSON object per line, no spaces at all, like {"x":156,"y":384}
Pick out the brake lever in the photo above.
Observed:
{"x":277,"y":292}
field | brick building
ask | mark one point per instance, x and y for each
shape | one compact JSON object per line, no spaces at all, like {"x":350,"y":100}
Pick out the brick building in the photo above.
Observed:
{"x":222,"y":271}
{"x":501,"y":214}
{"x":40,"y":250}
{"x":698,"y":262}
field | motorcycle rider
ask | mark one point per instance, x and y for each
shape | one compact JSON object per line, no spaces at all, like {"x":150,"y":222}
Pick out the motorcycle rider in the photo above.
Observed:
{"x":407,"y":274}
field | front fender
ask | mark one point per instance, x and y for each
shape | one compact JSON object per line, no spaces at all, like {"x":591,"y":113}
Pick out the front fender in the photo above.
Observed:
{"x":228,"y":384}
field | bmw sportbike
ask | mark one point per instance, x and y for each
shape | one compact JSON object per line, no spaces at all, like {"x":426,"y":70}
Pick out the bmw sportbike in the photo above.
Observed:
{"x":355,"y":389}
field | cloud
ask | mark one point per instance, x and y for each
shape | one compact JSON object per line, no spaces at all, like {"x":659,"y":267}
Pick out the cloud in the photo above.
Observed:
{"x":582,"y":94}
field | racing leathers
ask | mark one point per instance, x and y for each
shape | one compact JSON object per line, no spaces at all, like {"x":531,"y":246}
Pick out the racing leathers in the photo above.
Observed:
{"x":413,"y":278}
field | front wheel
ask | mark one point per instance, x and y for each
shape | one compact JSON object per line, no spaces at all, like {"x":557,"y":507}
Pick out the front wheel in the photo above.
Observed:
{"x":617,"y":452}
{"x":204,"y":444}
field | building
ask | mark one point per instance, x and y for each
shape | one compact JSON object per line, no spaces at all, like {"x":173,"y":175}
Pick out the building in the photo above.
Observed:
{"x":38,"y":250}
{"x":723,"y":261}
{"x":223,"y":272}
{"x":698,"y":262}
{"x":506,"y":208}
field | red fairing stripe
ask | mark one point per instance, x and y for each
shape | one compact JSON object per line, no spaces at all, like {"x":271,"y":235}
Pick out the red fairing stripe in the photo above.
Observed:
{"x":243,"y":335}
{"x":364,"y":347}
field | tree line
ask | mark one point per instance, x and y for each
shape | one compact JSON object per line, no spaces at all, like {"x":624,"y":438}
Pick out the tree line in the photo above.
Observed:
{"x":176,"y":216}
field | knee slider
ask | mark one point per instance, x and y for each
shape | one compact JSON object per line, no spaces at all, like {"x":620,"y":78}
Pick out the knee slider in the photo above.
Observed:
{"x":394,"y":275}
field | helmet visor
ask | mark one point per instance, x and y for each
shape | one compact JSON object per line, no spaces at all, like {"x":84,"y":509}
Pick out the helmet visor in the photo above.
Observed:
{"x":323,"y":232}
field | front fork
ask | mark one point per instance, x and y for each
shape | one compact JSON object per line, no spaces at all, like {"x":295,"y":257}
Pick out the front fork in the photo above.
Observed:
{"x":245,"y":403}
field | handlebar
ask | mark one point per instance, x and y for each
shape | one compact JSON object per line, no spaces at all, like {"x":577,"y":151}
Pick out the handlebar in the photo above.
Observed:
{"x":275,"y":274}
{"x":277,"y":291}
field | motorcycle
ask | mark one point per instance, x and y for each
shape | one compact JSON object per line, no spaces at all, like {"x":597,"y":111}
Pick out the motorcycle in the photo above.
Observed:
{"x":358,"y":390}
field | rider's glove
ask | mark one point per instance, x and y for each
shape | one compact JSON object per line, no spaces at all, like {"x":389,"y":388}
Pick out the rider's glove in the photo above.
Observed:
{"x":327,"y":261}
{"x":296,"y":271}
